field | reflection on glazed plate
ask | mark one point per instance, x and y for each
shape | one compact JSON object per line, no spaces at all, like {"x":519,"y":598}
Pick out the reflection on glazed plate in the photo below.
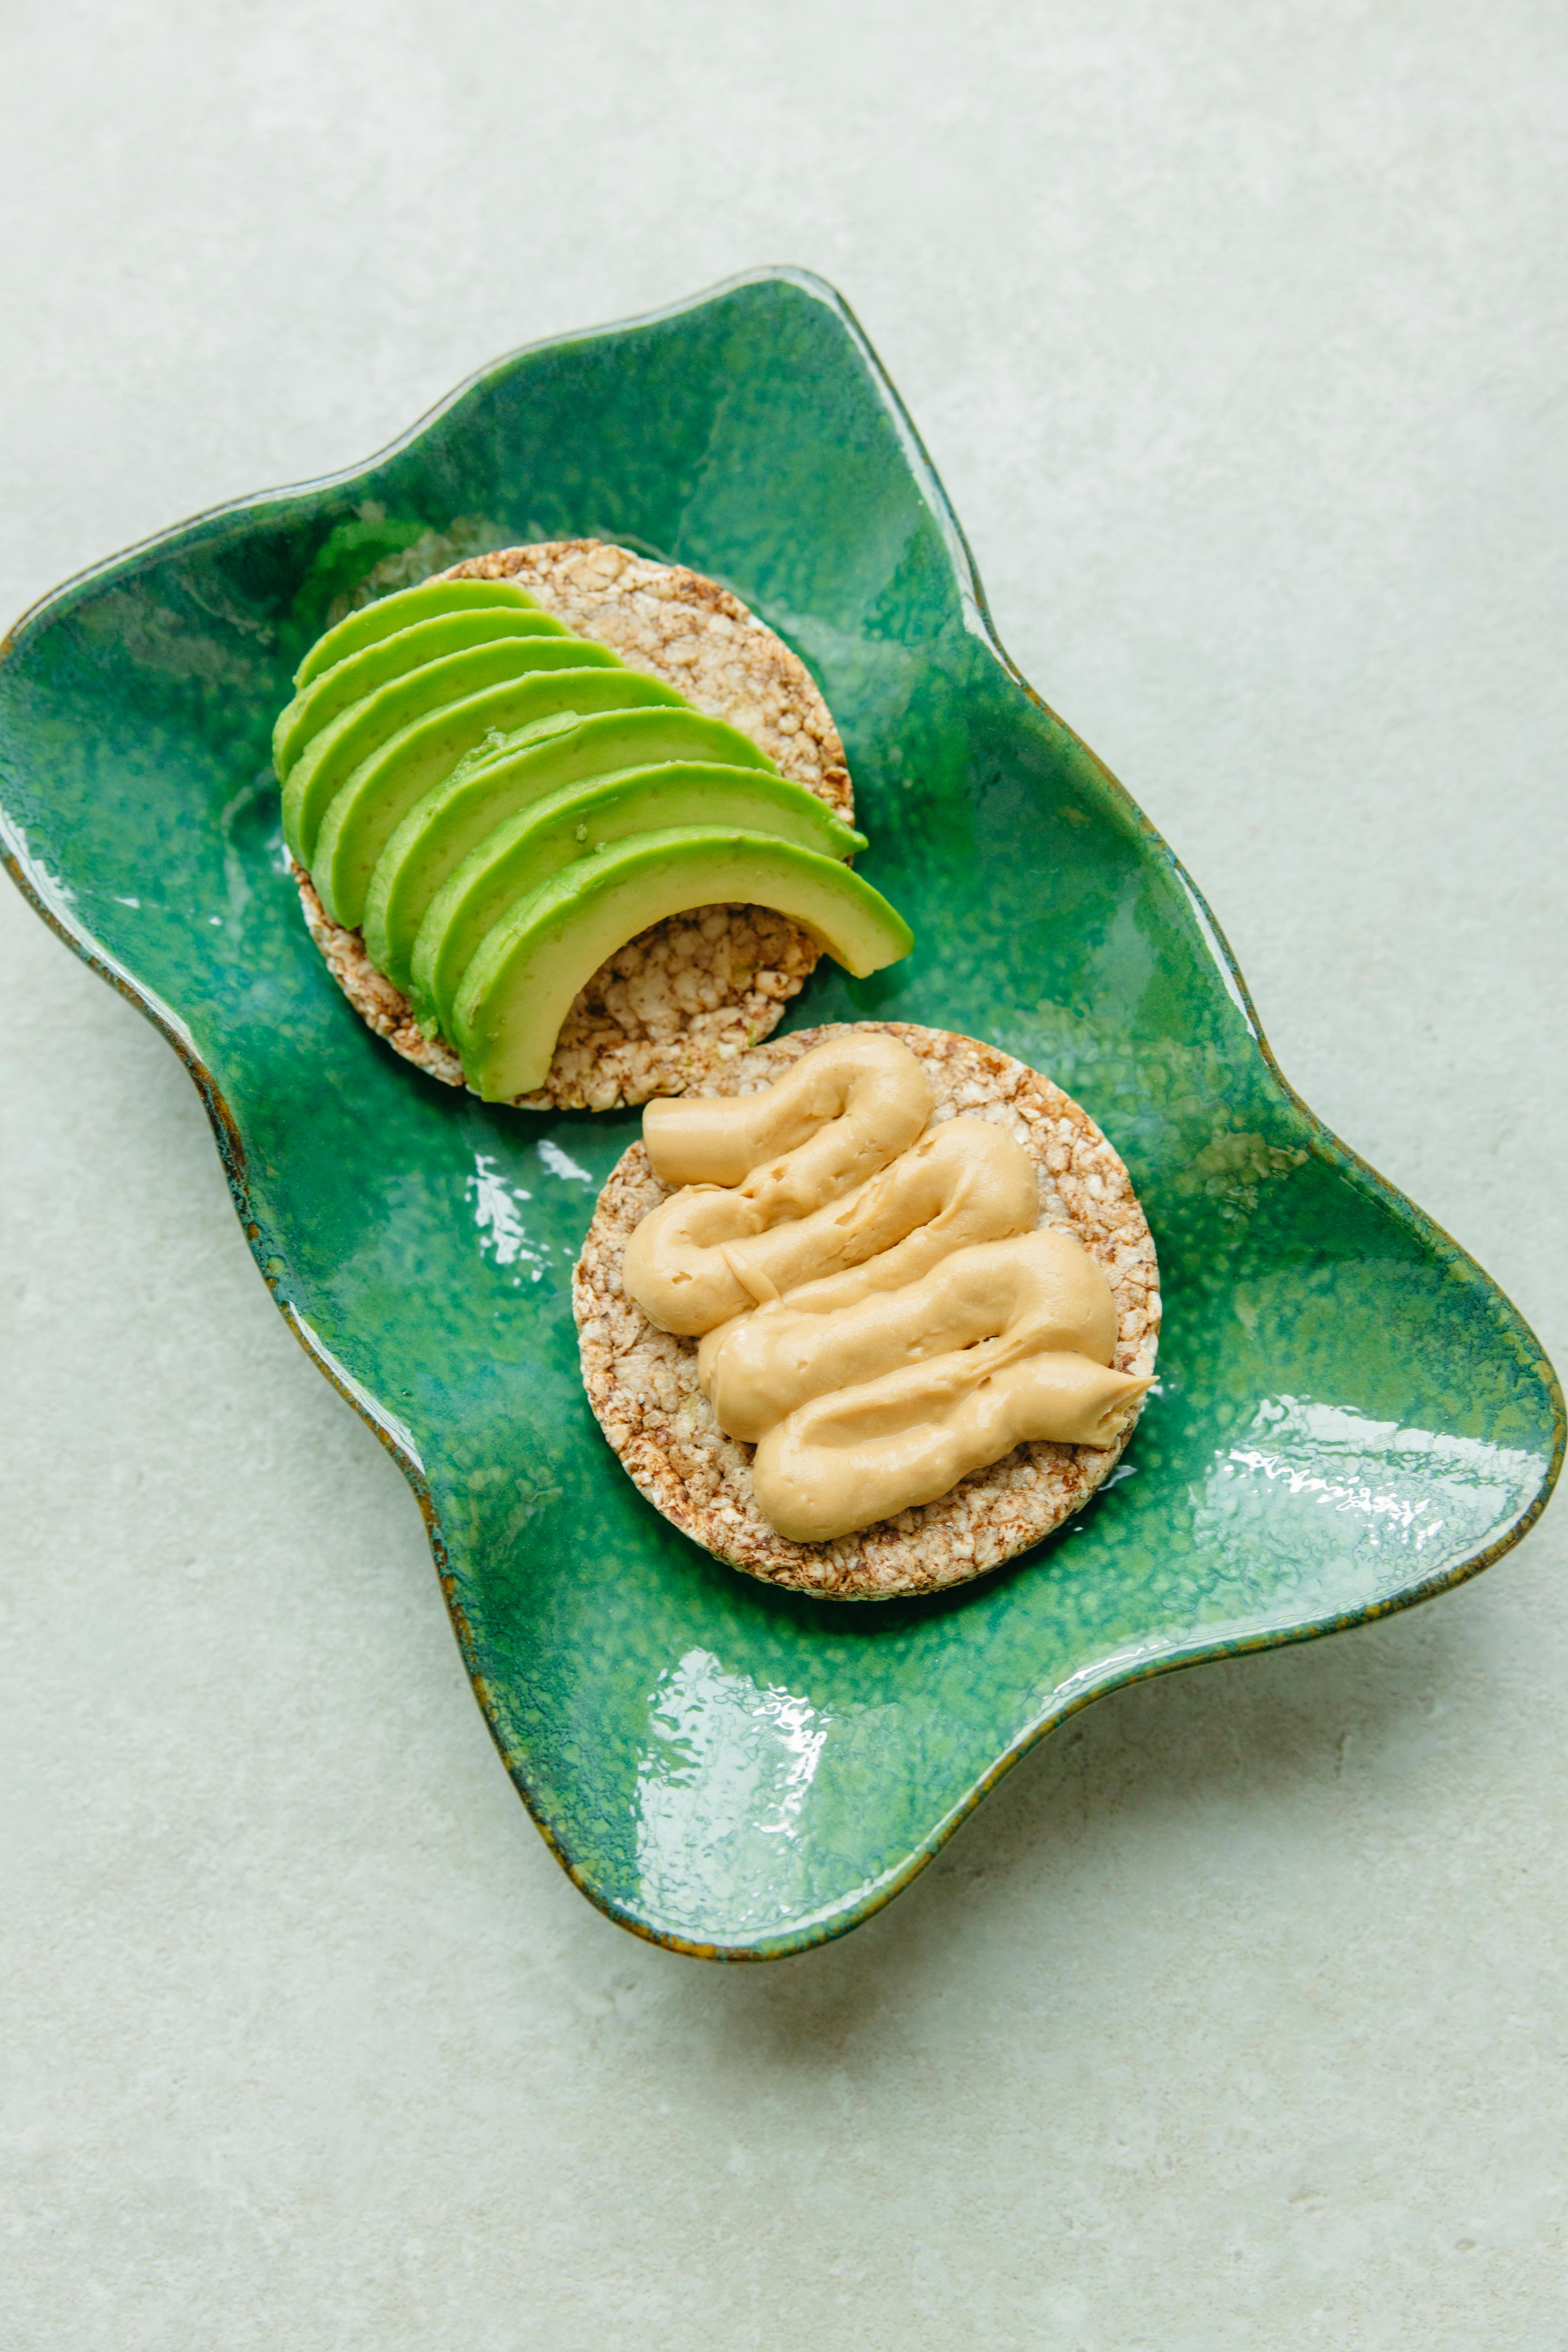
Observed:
{"x":1350,"y":1416}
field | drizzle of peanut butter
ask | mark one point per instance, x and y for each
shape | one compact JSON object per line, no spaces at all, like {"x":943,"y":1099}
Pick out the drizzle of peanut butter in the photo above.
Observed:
{"x":878,"y":1310}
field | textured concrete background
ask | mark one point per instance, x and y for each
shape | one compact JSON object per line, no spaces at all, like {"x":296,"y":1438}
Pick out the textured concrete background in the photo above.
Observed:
{"x":1237,"y":2019}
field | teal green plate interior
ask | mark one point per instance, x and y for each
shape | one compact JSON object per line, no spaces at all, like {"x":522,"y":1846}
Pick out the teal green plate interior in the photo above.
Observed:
{"x":1350,"y":1416}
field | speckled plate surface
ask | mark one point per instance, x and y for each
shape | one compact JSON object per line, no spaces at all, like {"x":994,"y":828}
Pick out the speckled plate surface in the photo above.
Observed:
{"x":1350,"y":1416}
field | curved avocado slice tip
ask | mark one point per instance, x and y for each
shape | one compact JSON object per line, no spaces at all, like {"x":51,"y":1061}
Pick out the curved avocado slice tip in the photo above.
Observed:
{"x":518,"y":989}
{"x":400,"y":611}
{"x":453,"y":817}
{"x":582,"y":820}
{"x":392,"y":656}
{"x":325,"y":764}
{"x":377,"y":795}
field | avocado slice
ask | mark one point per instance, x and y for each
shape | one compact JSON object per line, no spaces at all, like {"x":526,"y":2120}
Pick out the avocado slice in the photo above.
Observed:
{"x":519,"y":988}
{"x":392,"y":656}
{"x":373,"y":622}
{"x":377,"y":795}
{"x":327,"y":760}
{"x":455,"y":816}
{"x":582,"y":820}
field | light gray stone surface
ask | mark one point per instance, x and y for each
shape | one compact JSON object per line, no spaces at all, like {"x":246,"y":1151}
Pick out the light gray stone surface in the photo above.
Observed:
{"x":1237,"y":2018}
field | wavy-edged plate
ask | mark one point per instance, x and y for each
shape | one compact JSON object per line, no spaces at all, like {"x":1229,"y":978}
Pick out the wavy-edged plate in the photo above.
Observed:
{"x":1350,"y":1416}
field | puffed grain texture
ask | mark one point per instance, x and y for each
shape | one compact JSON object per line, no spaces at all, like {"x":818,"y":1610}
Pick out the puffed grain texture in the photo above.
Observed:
{"x":642,"y":1382}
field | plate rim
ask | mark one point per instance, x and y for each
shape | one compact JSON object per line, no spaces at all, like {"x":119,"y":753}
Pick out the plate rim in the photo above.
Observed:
{"x":53,"y":907}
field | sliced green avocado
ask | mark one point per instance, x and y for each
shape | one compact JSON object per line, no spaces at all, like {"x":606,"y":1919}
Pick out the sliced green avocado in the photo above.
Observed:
{"x":440,"y":829}
{"x":580,"y":821}
{"x":391,"y":657}
{"x":327,"y":760}
{"x":379,"y":620}
{"x":520,"y":986}
{"x":500,"y":742}
{"x":378,"y":795}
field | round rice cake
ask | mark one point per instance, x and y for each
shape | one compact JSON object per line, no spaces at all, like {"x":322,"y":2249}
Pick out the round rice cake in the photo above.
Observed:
{"x":642,"y":1382}
{"x":666,"y":1013}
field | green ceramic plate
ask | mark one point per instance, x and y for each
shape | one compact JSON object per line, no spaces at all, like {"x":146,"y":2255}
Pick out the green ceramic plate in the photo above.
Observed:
{"x":1351,"y":1417}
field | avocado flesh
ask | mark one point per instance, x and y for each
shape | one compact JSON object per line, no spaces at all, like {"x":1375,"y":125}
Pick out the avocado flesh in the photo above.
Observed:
{"x":373,"y":622}
{"x":455,"y":816}
{"x":578,"y":822}
{"x":323,"y":766}
{"x":392,"y":656}
{"x":502,"y":742}
{"x":378,"y":795}
{"x":519,"y":988}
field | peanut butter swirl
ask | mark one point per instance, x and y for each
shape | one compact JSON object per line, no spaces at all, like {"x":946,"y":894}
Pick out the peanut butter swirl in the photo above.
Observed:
{"x":879,"y":1313}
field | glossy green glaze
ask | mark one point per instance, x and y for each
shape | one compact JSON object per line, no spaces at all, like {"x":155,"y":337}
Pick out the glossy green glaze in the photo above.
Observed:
{"x":1350,"y":1416}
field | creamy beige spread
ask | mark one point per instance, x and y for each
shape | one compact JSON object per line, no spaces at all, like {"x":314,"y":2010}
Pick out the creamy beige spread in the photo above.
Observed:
{"x":878,"y":1309}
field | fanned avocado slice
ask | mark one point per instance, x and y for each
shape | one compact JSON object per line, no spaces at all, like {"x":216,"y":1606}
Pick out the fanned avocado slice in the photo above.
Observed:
{"x":580,"y":821}
{"x":378,"y":795}
{"x":453,"y":817}
{"x":392,"y":656}
{"x":379,"y":620}
{"x":518,"y":989}
{"x":327,"y":759}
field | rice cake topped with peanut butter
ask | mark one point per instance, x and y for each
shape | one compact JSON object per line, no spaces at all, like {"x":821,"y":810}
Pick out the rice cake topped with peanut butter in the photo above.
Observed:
{"x":668,"y":1009}
{"x":1002,"y":1208}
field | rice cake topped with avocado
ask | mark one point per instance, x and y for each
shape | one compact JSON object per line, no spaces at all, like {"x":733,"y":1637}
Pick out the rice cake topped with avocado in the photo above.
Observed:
{"x":651,"y":1393}
{"x":697,"y":737}
{"x":683,"y":627}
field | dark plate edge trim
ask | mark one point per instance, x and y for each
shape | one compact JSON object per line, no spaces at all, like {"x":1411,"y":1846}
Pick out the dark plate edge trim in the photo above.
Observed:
{"x":852,"y":1913}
